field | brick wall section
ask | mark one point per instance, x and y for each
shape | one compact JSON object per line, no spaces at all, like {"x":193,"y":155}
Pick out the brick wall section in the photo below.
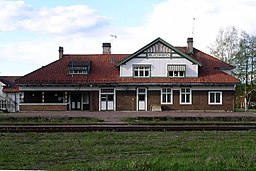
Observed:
{"x":94,"y":101}
{"x":43,"y":107}
{"x":228,"y":100}
{"x":200,"y":102}
{"x":126,"y":100}
{"x":154,"y":98}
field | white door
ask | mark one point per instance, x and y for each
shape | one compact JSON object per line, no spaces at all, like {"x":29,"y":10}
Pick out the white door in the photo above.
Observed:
{"x":103,"y":102}
{"x":107,"y":102}
{"x":110,"y":102}
{"x":142,"y":99}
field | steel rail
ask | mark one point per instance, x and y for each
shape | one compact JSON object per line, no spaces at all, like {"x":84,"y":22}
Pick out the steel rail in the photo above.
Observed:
{"x":121,"y":128}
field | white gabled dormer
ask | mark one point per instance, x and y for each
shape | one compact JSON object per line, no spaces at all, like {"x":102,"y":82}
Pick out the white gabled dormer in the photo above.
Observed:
{"x":159,"y":59}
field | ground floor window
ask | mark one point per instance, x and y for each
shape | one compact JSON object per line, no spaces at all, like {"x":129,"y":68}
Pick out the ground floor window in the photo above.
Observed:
{"x":185,"y":96}
{"x":53,"y":97}
{"x":166,"y":96}
{"x":33,"y":97}
{"x":3,"y":104}
{"x":215,"y":97}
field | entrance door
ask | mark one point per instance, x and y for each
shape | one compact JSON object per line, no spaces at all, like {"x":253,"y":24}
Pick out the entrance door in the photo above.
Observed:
{"x":107,"y":102}
{"x":142,"y":99}
{"x":75,"y":101}
{"x":86,"y":101}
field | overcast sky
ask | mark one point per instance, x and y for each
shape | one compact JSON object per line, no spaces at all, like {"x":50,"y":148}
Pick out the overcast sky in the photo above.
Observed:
{"x":32,"y":30}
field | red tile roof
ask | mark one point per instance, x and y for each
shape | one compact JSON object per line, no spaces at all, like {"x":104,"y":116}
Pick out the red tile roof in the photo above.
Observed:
{"x":10,"y":86}
{"x":104,"y":71}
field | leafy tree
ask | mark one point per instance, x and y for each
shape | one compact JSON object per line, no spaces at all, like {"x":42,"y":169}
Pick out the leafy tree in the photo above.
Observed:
{"x":245,"y":62}
{"x":226,"y":44}
{"x":240,"y":51}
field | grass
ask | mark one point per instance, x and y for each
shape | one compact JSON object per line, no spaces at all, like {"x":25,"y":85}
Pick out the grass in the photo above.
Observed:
{"x":242,"y":110}
{"x":48,"y":120}
{"x":184,"y":120}
{"x":129,"y":151}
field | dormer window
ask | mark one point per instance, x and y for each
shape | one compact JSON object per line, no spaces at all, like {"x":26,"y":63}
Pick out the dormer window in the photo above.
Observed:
{"x":141,"y":70}
{"x":79,"y":67}
{"x":176,"y":70}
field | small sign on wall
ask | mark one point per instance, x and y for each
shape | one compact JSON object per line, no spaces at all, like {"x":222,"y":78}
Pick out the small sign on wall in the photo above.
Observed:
{"x":159,"y":55}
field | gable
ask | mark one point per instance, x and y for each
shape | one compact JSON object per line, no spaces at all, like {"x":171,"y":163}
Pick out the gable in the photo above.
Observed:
{"x":159,"y":49}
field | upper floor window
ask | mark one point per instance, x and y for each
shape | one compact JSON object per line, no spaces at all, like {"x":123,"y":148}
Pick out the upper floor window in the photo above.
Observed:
{"x":185,"y":96}
{"x":79,"y":67}
{"x":176,"y":70}
{"x":215,"y":97}
{"x":141,"y":70}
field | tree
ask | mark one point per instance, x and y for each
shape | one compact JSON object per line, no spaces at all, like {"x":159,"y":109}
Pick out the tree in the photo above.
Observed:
{"x":245,"y":67}
{"x":226,"y":44}
{"x":240,"y":51}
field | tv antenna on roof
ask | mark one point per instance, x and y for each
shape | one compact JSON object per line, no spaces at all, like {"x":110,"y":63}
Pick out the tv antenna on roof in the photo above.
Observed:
{"x":193,"y":28}
{"x":112,"y":38}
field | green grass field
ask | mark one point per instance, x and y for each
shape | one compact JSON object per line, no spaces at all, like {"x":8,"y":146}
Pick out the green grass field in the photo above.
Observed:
{"x":129,"y":151}
{"x":188,"y":120}
{"x":48,"y":120}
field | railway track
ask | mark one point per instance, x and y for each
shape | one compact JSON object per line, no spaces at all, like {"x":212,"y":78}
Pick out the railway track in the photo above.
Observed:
{"x":124,"y":127}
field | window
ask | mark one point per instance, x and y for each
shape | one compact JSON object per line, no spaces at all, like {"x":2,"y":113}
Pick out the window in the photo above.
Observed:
{"x":79,"y":67}
{"x":166,"y":96}
{"x":33,"y":97}
{"x":53,"y":97}
{"x":176,"y":70}
{"x":141,"y":70}
{"x":185,"y":96}
{"x":215,"y":97}
{"x":107,"y":90}
{"x":3,"y":104}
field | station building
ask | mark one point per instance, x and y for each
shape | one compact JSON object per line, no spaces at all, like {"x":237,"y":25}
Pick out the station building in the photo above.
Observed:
{"x":157,"y":76}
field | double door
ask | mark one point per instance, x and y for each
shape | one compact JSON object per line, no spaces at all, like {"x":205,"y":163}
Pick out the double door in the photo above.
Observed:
{"x":79,"y":101}
{"x":107,"y":102}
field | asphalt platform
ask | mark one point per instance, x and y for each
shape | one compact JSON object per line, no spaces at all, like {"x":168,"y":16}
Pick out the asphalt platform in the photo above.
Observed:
{"x":117,"y":115}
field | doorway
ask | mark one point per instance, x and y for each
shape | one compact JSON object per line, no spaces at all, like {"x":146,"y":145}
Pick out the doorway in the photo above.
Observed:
{"x":141,"y":99}
{"x":76,"y":101}
{"x":107,"y":100}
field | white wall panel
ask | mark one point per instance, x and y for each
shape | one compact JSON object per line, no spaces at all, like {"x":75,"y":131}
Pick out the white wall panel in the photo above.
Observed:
{"x":159,"y":66}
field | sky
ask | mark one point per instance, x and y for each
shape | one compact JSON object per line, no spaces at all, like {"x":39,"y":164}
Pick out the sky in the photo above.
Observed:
{"x":31,"y":31}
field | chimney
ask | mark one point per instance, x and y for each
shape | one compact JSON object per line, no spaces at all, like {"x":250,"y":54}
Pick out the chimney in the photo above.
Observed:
{"x":190,"y":45}
{"x":106,"y":48}
{"x":61,"y":50}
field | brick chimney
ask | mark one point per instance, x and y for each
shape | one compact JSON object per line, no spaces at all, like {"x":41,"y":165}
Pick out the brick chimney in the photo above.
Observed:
{"x":61,"y":50}
{"x":106,"y":48}
{"x":190,"y":45}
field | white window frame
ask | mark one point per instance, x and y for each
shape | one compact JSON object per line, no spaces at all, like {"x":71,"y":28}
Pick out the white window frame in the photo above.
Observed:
{"x":209,"y":98}
{"x":186,"y":93}
{"x":78,"y":70}
{"x":141,"y":68}
{"x":177,"y":72}
{"x":166,"y":93}
{"x":3,"y":104}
